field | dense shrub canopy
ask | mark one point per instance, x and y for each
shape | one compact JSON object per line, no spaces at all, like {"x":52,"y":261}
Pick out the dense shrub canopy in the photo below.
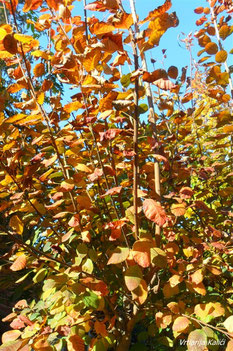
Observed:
{"x":116,"y":179}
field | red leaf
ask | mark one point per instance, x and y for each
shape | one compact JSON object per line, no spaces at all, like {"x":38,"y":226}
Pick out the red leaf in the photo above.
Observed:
{"x":154,"y":212}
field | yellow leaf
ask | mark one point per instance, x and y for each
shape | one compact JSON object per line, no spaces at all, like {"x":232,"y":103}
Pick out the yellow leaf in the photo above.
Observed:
{"x":16,"y":224}
{"x":39,"y":53}
{"x":41,"y":343}
{"x":40,"y":98}
{"x":228,"y":324}
{"x":83,"y":168}
{"x":73,"y":106}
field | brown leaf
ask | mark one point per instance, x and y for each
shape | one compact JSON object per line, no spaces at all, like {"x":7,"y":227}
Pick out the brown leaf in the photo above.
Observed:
{"x":10,"y":44}
{"x":154,"y":212}
{"x":75,"y":343}
{"x":172,"y":72}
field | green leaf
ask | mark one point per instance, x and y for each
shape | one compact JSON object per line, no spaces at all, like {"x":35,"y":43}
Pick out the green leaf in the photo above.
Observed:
{"x":143,"y":108}
{"x":91,"y":300}
{"x":125,"y":80}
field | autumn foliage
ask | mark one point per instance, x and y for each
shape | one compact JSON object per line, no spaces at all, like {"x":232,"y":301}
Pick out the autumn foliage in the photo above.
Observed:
{"x":116,"y":179}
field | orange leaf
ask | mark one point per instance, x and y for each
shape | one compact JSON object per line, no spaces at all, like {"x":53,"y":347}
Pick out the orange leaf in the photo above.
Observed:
{"x":199,"y":10}
{"x":19,"y":264}
{"x":54,"y":4}
{"x":100,"y":328}
{"x":229,"y":345}
{"x":224,"y":31}
{"x":211,"y":48}
{"x":180,"y":324}
{"x":101,"y":28}
{"x":221,"y":56}
{"x":12,"y":346}
{"x":169,"y":291}
{"x":163,"y":320}
{"x":155,"y":75}
{"x":197,"y":277}
{"x":113,"y":191}
{"x":67,"y":185}
{"x":41,"y":343}
{"x":31,"y":5}
{"x":175,"y":280}
{"x":39,"y":70}
{"x":16,"y":224}
{"x":50,"y":161}
{"x":75,"y":343}
{"x":72,"y":106}
{"x":140,"y":293}
{"x":186,"y":192}
{"x":158,"y":11}
{"x":154,"y":212}
{"x":141,"y":252}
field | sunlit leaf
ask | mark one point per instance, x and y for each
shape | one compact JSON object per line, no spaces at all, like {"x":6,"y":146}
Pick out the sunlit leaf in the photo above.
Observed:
{"x":119,"y":255}
{"x":16,"y":224}
{"x":180,"y":324}
{"x":221,"y":56}
{"x":154,"y":212}
{"x":133,"y":277}
{"x":19,"y":264}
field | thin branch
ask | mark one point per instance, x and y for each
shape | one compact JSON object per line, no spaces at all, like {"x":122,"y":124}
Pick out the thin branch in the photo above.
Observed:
{"x":135,"y":125}
{"x":221,"y":46}
{"x":209,"y":326}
